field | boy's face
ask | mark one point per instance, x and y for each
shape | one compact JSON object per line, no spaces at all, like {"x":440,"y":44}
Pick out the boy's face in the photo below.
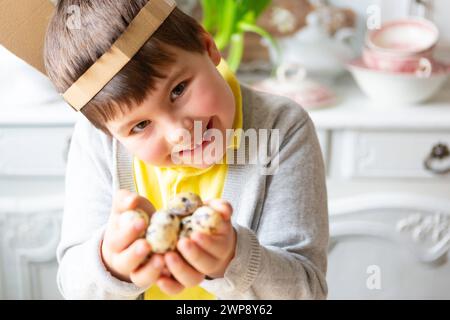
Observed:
{"x":155,"y":131}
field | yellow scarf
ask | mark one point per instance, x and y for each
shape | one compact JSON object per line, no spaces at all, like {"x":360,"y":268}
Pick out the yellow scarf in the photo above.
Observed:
{"x":159,"y":184}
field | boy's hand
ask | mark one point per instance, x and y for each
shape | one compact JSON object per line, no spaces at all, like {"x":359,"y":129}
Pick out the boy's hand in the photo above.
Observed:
{"x":123,"y":250}
{"x":202,"y":254}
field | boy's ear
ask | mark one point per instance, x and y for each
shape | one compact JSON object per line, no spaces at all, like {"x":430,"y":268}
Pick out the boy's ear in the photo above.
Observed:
{"x":211,"y":48}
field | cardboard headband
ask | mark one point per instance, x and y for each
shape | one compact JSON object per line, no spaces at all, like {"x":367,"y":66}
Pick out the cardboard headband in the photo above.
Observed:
{"x":141,"y":28}
{"x":23,"y":24}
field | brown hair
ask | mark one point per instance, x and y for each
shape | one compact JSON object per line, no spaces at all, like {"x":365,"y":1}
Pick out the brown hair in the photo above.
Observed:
{"x":68,"y":53}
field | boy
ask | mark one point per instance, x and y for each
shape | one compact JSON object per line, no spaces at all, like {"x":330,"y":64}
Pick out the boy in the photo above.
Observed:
{"x":131,"y":153}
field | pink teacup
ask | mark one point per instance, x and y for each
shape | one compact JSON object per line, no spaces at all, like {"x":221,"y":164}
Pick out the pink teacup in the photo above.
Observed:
{"x":385,"y":61}
{"x":404,"y":45}
{"x":404,"y":37}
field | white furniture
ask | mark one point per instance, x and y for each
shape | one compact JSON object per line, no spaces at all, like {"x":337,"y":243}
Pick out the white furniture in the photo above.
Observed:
{"x":389,"y":214}
{"x":33,"y":144}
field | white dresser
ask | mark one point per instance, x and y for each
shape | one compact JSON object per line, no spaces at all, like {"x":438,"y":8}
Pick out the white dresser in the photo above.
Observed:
{"x":33,"y":147}
{"x":389,"y":215}
{"x":389,"y":207}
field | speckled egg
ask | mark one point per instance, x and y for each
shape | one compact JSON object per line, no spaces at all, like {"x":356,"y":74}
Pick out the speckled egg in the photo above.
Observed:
{"x":206,"y":220}
{"x":184,"y":204}
{"x":162,"y":234}
{"x":186,"y":227}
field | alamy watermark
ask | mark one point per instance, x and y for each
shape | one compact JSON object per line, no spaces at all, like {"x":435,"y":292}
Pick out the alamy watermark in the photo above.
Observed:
{"x":374,"y":17}
{"x":373,"y":281}
{"x":256,"y":147}
{"x":74,"y":18}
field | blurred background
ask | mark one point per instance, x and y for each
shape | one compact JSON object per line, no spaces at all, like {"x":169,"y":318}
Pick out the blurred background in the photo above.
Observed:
{"x":373,"y":76}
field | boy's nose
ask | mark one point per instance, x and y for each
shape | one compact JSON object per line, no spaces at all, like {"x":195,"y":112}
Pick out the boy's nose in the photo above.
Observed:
{"x":177,"y":132}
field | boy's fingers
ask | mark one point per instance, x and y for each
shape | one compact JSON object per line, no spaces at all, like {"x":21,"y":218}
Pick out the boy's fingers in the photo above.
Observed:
{"x":196,"y":256}
{"x":169,"y":286}
{"x":126,"y":233}
{"x":212,"y":244}
{"x":165,"y":272}
{"x":148,"y":274}
{"x":123,"y":200}
{"x":222,"y":206}
{"x":128,"y":228}
{"x":224,"y":229}
{"x":129,"y":259}
{"x":181,"y":271}
{"x":143,"y":204}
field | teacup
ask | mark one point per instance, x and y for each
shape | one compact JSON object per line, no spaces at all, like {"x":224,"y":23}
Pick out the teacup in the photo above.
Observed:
{"x":404,"y":45}
{"x":385,"y":61}
{"x":404,"y":37}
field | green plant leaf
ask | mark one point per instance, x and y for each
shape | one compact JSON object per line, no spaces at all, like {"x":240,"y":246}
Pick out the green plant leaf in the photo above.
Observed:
{"x":236,"y":51}
{"x":229,"y":20}
{"x":248,"y":27}
{"x":227,"y":23}
{"x":260,"y":6}
{"x":209,"y":20}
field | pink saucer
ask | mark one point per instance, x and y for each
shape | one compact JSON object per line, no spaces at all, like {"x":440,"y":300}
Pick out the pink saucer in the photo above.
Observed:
{"x":308,"y":94}
{"x":438,"y":68}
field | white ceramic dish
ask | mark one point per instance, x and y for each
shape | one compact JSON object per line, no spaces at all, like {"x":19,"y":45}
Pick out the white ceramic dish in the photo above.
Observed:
{"x":398,"y":88}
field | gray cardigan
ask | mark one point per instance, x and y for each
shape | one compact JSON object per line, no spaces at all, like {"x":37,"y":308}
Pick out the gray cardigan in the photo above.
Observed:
{"x":281,"y":220}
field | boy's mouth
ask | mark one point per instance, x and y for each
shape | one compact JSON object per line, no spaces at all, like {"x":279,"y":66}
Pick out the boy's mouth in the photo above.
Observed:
{"x":198,"y":146}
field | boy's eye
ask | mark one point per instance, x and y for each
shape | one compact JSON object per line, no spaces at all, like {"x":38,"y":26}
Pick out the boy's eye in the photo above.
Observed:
{"x":140,"y":126}
{"x":178,"y":91}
